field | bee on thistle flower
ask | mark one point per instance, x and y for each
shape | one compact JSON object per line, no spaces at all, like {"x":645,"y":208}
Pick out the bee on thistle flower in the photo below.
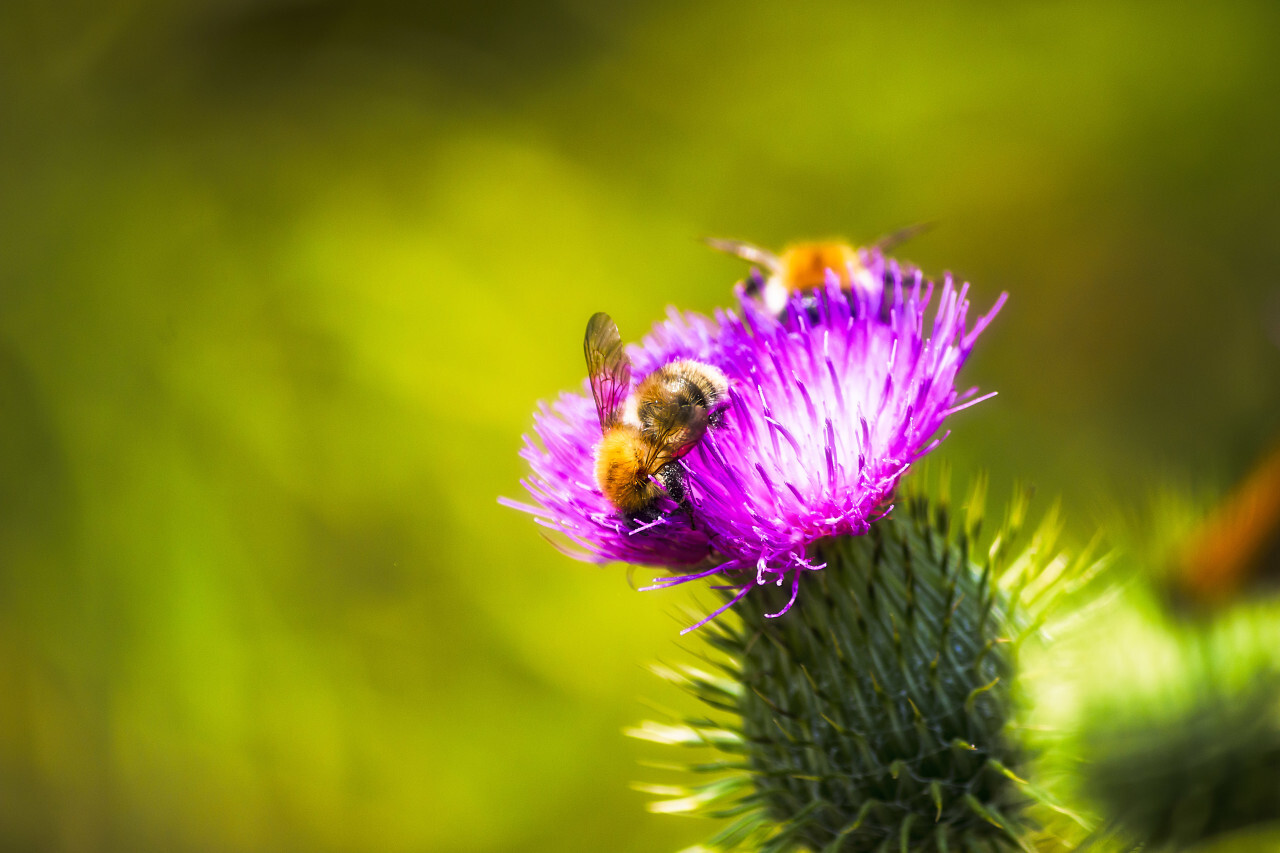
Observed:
{"x":648,"y":429}
{"x":882,"y":713}
{"x":803,"y":267}
{"x":834,"y":397}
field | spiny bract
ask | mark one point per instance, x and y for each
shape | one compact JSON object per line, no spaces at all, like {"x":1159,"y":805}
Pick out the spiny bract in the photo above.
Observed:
{"x":879,"y":716}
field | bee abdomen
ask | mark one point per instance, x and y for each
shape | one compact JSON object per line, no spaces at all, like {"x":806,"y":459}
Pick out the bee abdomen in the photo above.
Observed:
{"x":624,"y":464}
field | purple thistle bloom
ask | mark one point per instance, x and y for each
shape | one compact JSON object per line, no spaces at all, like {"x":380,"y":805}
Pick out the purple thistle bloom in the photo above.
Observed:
{"x":569,"y":501}
{"x":829,"y":404}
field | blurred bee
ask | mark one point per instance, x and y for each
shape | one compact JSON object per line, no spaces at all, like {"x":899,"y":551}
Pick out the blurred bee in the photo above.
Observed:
{"x":803,"y":267}
{"x":648,"y":429}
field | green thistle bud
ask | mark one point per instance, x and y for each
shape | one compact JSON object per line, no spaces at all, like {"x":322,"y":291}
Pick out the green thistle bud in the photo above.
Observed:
{"x":879,"y":714}
{"x":1180,"y":738}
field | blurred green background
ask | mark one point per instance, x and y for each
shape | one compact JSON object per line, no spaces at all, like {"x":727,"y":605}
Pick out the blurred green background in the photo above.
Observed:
{"x":280,"y":283}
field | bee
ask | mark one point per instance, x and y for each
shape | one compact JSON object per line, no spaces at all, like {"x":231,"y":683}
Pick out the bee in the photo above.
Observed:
{"x":646,"y":430}
{"x":803,"y":267}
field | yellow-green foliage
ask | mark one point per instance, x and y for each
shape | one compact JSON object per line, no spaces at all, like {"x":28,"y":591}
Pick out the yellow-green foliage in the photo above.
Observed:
{"x":280,"y":282}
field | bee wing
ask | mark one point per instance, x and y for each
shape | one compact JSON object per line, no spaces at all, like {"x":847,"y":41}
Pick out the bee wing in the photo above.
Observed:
{"x":746,"y":251}
{"x":902,"y":235}
{"x":674,"y":437}
{"x":658,"y":454}
{"x":608,"y":367}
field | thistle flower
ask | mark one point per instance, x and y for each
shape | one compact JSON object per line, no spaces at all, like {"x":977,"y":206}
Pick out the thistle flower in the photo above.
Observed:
{"x":881,"y":714}
{"x":830,"y":402}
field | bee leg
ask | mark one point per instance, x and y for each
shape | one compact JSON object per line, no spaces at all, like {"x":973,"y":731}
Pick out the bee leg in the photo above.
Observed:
{"x":648,"y":515}
{"x":672,"y":478}
{"x":688,"y":511}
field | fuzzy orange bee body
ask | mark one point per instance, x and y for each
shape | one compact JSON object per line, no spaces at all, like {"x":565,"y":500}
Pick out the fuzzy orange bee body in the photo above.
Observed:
{"x":646,"y":430}
{"x":804,"y":267}
{"x":628,"y":469}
